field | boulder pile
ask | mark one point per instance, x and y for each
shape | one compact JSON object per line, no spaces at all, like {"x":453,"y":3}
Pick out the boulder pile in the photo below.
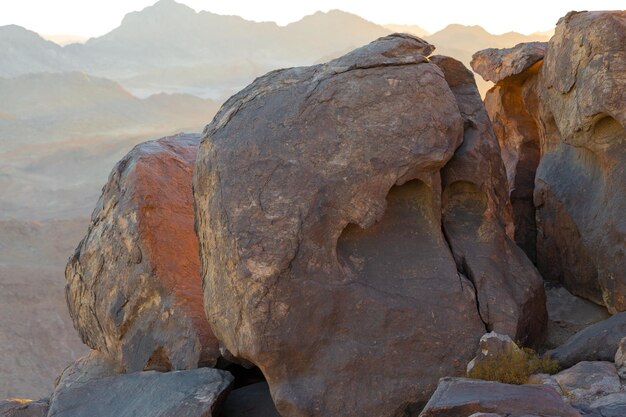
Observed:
{"x":343,"y":237}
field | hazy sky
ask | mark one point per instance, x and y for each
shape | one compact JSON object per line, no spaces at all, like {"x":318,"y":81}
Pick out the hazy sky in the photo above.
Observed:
{"x":96,"y":17}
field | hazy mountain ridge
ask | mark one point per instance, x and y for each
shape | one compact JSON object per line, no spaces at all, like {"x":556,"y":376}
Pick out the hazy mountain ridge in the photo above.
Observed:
{"x":221,"y":54}
{"x":47,"y":107}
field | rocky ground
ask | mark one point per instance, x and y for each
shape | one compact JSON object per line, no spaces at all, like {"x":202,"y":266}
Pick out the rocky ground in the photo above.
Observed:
{"x":360,"y":238}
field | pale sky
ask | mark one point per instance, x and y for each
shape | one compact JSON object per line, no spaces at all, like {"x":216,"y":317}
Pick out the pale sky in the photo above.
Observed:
{"x":97,"y":17}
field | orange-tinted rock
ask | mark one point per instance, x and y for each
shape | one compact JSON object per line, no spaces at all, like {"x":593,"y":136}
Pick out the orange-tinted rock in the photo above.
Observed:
{"x":561,"y":124}
{"x":511,"y":105}
{"x":133,"y":284}
{"x":477,"y":221}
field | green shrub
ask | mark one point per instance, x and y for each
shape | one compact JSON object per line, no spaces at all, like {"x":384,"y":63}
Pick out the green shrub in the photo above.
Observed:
{"x":514,"y":367}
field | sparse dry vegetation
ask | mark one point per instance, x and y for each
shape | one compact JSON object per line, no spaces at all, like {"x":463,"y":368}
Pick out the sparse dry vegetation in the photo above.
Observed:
{"x":514,"y":367}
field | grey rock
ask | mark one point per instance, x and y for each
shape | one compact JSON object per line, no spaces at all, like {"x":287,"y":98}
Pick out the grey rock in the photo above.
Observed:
{"x":192,"y":393}
{"x":620,"y":358}
{"x":598,"y":342}
{"x":95,"y":365}
{"x":497,"y":64}
{"x":545,"y":379}
{"x":456,"y":397}
{"x":612,"y":405}
{"x":23,"y":408}
{"x":580,"y":179}
{"x":569,"y":314}
{"x":587,"y":381}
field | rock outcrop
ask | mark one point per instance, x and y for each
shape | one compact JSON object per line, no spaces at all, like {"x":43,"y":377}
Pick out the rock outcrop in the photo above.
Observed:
{"x":561,"y":124}
{"x":133,"y":285}
{"x":599,"y":342}
{"x":477,"y":221}
{"x":191,"y":393}
{"x":320,"y":194}
{"x":586,"y":382}
{"x":568,"y":314}
{"x":515,"y":71}
{"x":23,"y":408}
{"x":461,"y":397}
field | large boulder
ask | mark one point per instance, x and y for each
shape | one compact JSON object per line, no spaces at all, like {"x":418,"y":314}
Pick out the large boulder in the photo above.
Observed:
{"x":319,"y":213}
{"x":509,"y":105}
{"x":569,"y":314}
{"x":191,"y":393}
{"x":589,"y":381}
{"x":477,"y":221}
{"x":457,"y":397}
{"x":133,"y":285}
{"x":580,"y":180}
{"x":561,"y":123}
{"x":599,"y":342}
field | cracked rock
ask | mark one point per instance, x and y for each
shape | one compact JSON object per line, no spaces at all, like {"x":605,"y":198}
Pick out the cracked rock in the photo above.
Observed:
{"x":319,"y":195}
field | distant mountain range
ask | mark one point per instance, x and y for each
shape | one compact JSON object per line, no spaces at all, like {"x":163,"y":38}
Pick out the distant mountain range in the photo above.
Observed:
{"x":89,"y":103}
{"x":169,"y":47}
{"x":61,"y":133}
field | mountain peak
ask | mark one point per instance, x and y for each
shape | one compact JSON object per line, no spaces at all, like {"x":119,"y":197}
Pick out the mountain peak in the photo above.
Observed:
{"x":162,"y":9}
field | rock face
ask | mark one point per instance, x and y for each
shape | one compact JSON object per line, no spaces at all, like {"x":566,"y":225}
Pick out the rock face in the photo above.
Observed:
{"x":580,"y":179}
{"x":192,"y":393}
{"x":568,"y":314}
{"x":588,"y":381}
{"x":461,"y":397}
{"x":565,"y":116}
{"x":477,"y":221}
{"x":620,"y":358}
{"x":599,"y":342}
{"x":94,"y":365}
{"x":515,"y":127}
{"x":497,"y":64}
{"x":19,"y":408}
{"x":133,"y":285}
{"x":319,"y":196}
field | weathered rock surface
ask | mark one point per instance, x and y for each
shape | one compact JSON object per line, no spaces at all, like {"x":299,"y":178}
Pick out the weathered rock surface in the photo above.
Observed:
{"x":595,"y":343}
{"x":492,"y":345}
{"x":318,"y":207}
{"x":545,"y":379}
{"x":461,"y":397}
{"x":568,"y":109}
{"x":21,"y":408}
{"x":192,"y":393}
{"x":613,"y":405}
{"x":95,"y":365}
{"x":133,"y":285}
{"x":507,"y":104}
{"x":588,"y":381}
{"x":497,"y":64}
{"x":580,"y":179}
{"x":249,"y":401}
{"x":620,"y":358}
{"x":477,"y":216}
{"x":568,"y":314}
